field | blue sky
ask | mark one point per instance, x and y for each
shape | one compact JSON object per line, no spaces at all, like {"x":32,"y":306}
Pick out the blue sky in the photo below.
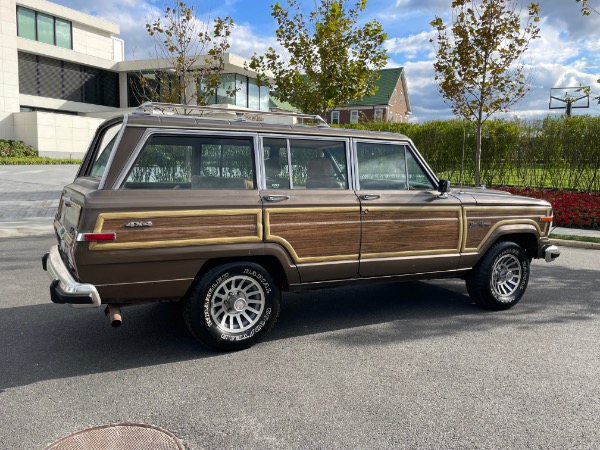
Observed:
{"x":567,"y":53}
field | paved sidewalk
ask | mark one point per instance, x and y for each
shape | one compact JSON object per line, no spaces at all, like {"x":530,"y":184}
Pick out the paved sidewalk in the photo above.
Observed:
{"x":29,"y":197}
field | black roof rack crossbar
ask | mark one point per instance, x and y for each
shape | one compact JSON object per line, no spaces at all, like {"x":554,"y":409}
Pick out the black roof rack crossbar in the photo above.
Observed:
{"x":241,"y":114}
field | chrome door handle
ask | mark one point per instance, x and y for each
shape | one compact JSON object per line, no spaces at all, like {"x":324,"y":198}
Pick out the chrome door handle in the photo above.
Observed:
{"x":276,"y":198}
{"x":370,"y":196}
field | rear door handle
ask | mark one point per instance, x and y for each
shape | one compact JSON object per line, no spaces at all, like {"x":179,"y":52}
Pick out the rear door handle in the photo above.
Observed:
{"x":370,"y":196}
{"x":276,"y":198}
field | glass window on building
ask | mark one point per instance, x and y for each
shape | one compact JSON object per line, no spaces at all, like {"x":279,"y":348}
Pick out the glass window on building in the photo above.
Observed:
{"x":354,"y":116}
{"x":264,"y":98}
{"x":63,"y":33}
{"x":335,"y":117}
{"x":26,"y":23}
{"x":253,"y":94}
{"x":45,"y":28}
{"x":378,"y":115}
{"x":241,"y":92}
{"x":205,"y":95}
{"x":224,"y":91}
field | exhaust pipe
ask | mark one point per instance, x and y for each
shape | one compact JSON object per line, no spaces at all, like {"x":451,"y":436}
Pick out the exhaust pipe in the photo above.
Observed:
{"x":114,"y":313}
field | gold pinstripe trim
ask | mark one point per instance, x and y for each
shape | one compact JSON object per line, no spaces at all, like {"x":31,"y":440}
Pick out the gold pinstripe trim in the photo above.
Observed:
{"x":177,"y":242}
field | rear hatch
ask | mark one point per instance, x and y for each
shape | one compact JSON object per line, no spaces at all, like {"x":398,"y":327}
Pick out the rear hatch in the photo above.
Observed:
{"x":71,"y":209}
{"x":68,"y":218}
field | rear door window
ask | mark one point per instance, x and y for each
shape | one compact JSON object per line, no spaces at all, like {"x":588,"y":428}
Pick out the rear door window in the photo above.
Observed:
{"x":305,"y":164}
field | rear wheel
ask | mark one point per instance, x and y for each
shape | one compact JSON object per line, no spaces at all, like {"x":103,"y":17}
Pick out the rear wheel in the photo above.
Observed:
{"x":500,"y":278}
{"x":233,"y":306}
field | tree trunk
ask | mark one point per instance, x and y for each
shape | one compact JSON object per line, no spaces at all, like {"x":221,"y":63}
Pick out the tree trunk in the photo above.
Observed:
{"x":478,"y":156}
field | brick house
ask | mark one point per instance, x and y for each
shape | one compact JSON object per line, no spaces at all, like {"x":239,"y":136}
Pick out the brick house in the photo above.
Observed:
{"x":389,"y":104}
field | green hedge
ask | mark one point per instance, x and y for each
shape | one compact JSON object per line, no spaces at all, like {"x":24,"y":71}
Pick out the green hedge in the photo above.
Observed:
{"x":32,"y":160}
{"x":555,"y":152}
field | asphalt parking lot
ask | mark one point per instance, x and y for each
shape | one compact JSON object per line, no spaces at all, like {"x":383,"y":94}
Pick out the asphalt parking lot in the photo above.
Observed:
{"x":406,"y":366}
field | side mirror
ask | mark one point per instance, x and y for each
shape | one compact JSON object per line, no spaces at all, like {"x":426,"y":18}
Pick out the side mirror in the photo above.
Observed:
{"x":444,"y":186}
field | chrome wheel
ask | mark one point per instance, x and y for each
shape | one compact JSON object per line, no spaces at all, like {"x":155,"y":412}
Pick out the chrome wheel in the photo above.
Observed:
{"x":237,"y":304}
{"x":506,"y":276}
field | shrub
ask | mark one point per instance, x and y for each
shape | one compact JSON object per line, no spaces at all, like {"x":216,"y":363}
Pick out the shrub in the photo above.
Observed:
{"x":16,"y":149}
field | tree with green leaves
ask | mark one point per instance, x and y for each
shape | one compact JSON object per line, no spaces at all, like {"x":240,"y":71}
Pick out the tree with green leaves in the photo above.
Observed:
{"x":190,"y":52}
{"x":586,"y":9}
{"x":478,"y":67}
{"x":331,"y":60}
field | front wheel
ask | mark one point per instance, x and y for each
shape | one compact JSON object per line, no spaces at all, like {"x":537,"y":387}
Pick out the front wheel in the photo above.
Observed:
{"x":500,"y":278}
{"x":233,"y":306}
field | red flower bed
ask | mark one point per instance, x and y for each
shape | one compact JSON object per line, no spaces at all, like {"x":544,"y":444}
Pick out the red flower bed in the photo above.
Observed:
{"x":571,"y":209}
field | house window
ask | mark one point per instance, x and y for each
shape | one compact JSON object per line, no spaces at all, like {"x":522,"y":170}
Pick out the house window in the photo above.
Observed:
{"x":335,"y":117}
{"x":44,"y":28}
{"x":378,"y":115}
{"x":354,"y":116}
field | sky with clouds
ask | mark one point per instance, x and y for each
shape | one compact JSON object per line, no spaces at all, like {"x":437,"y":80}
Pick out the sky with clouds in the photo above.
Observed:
{"x":566,"y":54}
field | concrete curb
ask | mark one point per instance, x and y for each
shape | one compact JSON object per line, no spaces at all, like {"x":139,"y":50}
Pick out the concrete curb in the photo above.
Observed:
{"x":575,"y":244}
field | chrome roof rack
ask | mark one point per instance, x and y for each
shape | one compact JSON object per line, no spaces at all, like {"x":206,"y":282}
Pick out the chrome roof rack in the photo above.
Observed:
{"x":240,"y":114}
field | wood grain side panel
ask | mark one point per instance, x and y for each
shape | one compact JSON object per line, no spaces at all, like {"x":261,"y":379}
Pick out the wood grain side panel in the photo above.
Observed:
{"x":165,"y":228}
{"x":480,"y":223}
{"x":180,"y":228}
{"x":316,"y":235}
{"x":405,"y":231}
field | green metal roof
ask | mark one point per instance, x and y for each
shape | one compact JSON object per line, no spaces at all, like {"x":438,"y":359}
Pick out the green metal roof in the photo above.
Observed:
{"x":386,"y":84}
{"x":274,"y":102}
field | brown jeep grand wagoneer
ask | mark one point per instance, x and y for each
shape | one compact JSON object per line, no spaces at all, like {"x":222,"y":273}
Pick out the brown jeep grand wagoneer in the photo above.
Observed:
{"x":223,"y":213}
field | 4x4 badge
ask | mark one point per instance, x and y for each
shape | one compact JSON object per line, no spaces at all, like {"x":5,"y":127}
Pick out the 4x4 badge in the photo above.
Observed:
{"x":138,"y":224}
{"x":479,"y":224}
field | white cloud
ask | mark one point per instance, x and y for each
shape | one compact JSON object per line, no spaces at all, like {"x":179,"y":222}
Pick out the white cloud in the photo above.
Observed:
{"x":411,"y":45}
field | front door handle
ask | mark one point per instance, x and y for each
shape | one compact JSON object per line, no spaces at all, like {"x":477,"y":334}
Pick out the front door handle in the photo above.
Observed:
{"x":370,"y":196}
{"x":276,"y":198}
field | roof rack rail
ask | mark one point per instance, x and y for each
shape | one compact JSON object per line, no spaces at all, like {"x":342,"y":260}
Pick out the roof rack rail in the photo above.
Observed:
{"x":241,"y":114}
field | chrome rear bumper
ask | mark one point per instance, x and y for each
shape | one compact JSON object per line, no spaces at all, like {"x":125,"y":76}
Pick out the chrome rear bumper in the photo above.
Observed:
{"x":64,"y":288}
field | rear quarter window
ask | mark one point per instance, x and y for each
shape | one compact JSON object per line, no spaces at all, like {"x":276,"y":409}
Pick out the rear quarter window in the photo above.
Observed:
{"x":103,"y":151}
{"x":193,"y":162}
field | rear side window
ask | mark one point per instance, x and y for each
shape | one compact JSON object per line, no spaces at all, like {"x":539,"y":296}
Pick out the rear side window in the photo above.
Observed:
{"x":104,"y":150}
{"x":190,"y":162}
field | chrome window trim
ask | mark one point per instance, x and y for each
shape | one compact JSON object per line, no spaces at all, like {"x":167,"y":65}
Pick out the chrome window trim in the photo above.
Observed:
{"x":112,"y":153}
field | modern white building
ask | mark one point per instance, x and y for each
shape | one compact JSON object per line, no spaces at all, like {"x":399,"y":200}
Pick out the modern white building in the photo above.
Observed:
{"x":62,"y":72}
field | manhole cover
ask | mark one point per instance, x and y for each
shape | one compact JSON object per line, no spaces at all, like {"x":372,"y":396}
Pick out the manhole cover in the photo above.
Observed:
{"x":121,"y":436}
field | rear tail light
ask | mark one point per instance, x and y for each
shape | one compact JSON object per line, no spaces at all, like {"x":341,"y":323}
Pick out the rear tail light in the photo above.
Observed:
{"x":95,"y":237}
